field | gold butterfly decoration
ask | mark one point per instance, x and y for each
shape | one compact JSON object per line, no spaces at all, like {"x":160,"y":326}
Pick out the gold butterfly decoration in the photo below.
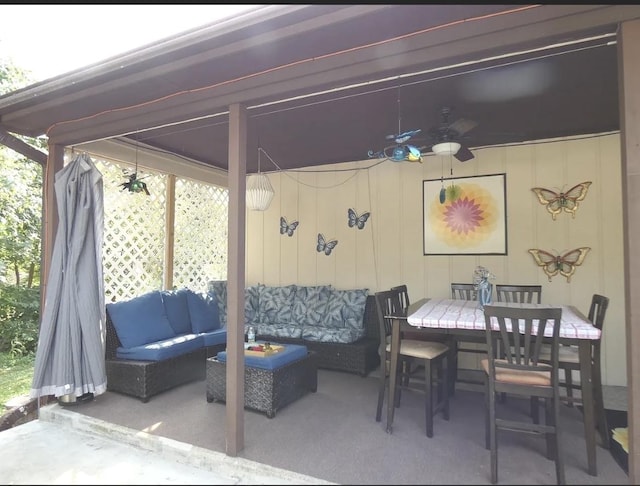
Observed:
{"x":564,"y":264}
{"x":555,"y":202}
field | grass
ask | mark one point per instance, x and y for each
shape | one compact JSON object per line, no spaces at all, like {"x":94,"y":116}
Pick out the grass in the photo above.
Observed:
{"x":16,"y":374}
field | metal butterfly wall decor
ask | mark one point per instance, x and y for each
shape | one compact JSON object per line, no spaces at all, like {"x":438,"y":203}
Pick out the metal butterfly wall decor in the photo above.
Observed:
{"x":286,"y":228}
{"x":357,"y":221}
{"x":324,"y":245}
{"x":555,"y":202}
{"x":564,"y":264}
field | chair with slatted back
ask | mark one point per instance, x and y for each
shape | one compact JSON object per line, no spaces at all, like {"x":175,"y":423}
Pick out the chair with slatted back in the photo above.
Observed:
{"x":519,"y":293}
{"x":432,"y":353}
{"x":520,"y":332}
{"x":466,"y":291}
{"x":403,"y":296}
{"x":463,"y":291}
{"x":569,"y":362}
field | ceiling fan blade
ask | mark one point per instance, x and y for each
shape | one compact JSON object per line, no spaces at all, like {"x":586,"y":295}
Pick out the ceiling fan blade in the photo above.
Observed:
{"x":464,"y":154}
{"x":463,"y":125}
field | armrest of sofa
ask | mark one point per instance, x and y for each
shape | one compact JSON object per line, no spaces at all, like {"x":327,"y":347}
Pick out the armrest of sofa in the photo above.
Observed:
{"x":113,"y":343}
{"x":370,"y":319}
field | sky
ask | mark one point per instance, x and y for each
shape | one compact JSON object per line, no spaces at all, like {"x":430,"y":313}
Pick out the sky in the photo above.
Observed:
{"x":49,"y":40}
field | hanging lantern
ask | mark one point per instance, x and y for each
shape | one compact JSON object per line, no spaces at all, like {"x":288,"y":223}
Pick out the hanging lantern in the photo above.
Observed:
{"x":259,"y":190}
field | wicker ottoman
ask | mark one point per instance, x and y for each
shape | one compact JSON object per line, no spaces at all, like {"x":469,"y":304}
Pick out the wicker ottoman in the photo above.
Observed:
{"x":266,"y":390}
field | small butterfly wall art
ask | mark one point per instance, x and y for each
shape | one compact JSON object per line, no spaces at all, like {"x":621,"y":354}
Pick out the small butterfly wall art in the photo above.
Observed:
{"x":568,"y":201}
{"x":564,"y":264}
{"x":325,"y":246}
{"x":357,"y":221}
{"x":286,"y":228}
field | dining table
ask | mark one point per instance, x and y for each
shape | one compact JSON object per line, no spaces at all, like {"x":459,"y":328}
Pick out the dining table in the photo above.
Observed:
{"x":459,"y":317}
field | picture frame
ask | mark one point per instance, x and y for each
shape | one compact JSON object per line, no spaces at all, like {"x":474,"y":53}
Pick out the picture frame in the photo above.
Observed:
{"x":465,"y":215}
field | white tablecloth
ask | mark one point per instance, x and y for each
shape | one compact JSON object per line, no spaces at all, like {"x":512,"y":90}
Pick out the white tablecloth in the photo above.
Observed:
{"x":467,"y":314}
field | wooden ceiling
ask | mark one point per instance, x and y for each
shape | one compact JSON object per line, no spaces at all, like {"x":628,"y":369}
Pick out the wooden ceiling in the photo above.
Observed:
{"x":328,"y":84}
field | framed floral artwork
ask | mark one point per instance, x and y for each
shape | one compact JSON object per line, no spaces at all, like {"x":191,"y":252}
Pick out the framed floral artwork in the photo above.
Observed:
{"x":465,"y":215}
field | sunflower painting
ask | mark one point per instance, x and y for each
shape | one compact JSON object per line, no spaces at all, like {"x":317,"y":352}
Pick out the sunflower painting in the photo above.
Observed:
{"x":465,"y":216}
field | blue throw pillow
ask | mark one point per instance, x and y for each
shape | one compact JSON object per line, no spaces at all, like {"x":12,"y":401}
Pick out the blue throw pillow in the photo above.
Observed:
{"x":140,"y":320}
{"x":203,"y":310}
{"x":177,"y":309}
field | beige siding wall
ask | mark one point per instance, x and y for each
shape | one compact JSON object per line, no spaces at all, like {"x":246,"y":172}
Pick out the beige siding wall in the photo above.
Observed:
{"x":389,"y":250}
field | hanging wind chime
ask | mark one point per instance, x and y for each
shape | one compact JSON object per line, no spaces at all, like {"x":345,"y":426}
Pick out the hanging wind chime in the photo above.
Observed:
{"x":452,"y":192}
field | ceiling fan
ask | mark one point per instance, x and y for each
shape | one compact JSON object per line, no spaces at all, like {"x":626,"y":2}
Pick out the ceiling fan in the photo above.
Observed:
{"x":446,"y":138}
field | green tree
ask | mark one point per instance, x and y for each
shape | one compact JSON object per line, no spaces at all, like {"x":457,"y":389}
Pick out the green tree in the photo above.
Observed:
{"x":20,"y":202}
{"x":12,"y":77}
{"x":20,"y":236}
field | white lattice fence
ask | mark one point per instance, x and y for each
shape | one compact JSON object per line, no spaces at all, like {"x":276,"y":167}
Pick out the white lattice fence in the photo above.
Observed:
{"x":135,"y":234}
{"x":200,"y":241}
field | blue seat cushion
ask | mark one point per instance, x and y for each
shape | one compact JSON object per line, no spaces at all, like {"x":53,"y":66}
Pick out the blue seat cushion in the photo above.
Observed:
{"x":161,"y":350}
{"x":218,"y":336}
{"x":177,"y":309}
{"x":291,"y":352}
{"x":140,"y":320}
{"x":203,"y":311}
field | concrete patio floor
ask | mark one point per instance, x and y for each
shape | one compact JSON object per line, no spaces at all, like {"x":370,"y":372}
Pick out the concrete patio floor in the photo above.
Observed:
{"x":63,"y":447}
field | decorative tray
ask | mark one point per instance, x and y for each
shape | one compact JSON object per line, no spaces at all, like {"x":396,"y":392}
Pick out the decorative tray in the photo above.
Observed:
{"x":262,"y":350}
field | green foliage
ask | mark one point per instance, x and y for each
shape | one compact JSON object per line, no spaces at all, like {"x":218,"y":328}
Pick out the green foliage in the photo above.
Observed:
{"x":19,"y":319}
{"x":20,"y":202}
{"x":20,"y":220}
{"x":16,"y":376}
{"x":12,"y":77}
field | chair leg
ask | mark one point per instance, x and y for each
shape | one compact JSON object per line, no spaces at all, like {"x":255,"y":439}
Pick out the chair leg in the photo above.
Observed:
{"x":452,"y":366}
{"x":492,"y":433}
{"x":399,"y":382}
{"x":559,"y":456}
{"x":601,"y":416}
{"x":381,"y":389}
{"x":428,"y":398}
{"x":568,"y":379}
{"x":535,"y":410}
{"x":550,"y":437}
{"x":444,"y":366}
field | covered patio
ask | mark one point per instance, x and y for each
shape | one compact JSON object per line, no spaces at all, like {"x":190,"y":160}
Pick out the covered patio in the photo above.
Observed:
{"x":324,"y":85}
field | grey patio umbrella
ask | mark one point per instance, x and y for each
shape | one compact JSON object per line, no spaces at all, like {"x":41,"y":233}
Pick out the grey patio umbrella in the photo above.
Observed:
{"x":70,"y":354}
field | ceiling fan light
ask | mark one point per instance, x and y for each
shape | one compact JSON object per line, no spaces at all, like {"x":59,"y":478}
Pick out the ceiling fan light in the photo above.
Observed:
{"x":446,"y":148}
{"x":259,"y":192}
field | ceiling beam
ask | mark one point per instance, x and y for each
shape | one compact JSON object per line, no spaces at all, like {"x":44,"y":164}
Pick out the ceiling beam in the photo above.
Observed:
{"x":425,"y":49}
{"x":22,"y":148}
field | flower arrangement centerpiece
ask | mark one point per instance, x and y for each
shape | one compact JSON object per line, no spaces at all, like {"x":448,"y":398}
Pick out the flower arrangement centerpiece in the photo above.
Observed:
{"x":482,"y":285}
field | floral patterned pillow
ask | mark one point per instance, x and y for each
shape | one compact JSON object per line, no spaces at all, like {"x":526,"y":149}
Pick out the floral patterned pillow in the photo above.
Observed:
{"x":275,"y":304}
{"x":345,"y":309}
{"x":310,"y":305}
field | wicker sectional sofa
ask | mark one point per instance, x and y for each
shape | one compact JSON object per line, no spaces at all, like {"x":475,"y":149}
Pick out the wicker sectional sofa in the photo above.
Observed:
{"x":160,"y":340}
{"x":340,"y":326}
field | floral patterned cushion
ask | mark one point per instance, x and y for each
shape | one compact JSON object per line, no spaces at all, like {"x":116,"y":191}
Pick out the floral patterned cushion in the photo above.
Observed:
{"x":275,"y":303}
{"x":251,"y":297}
{"x":315,"y":313}
{"x":345,"y":309}
{"x":219,"y":288}
{"x":310,"y":305}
